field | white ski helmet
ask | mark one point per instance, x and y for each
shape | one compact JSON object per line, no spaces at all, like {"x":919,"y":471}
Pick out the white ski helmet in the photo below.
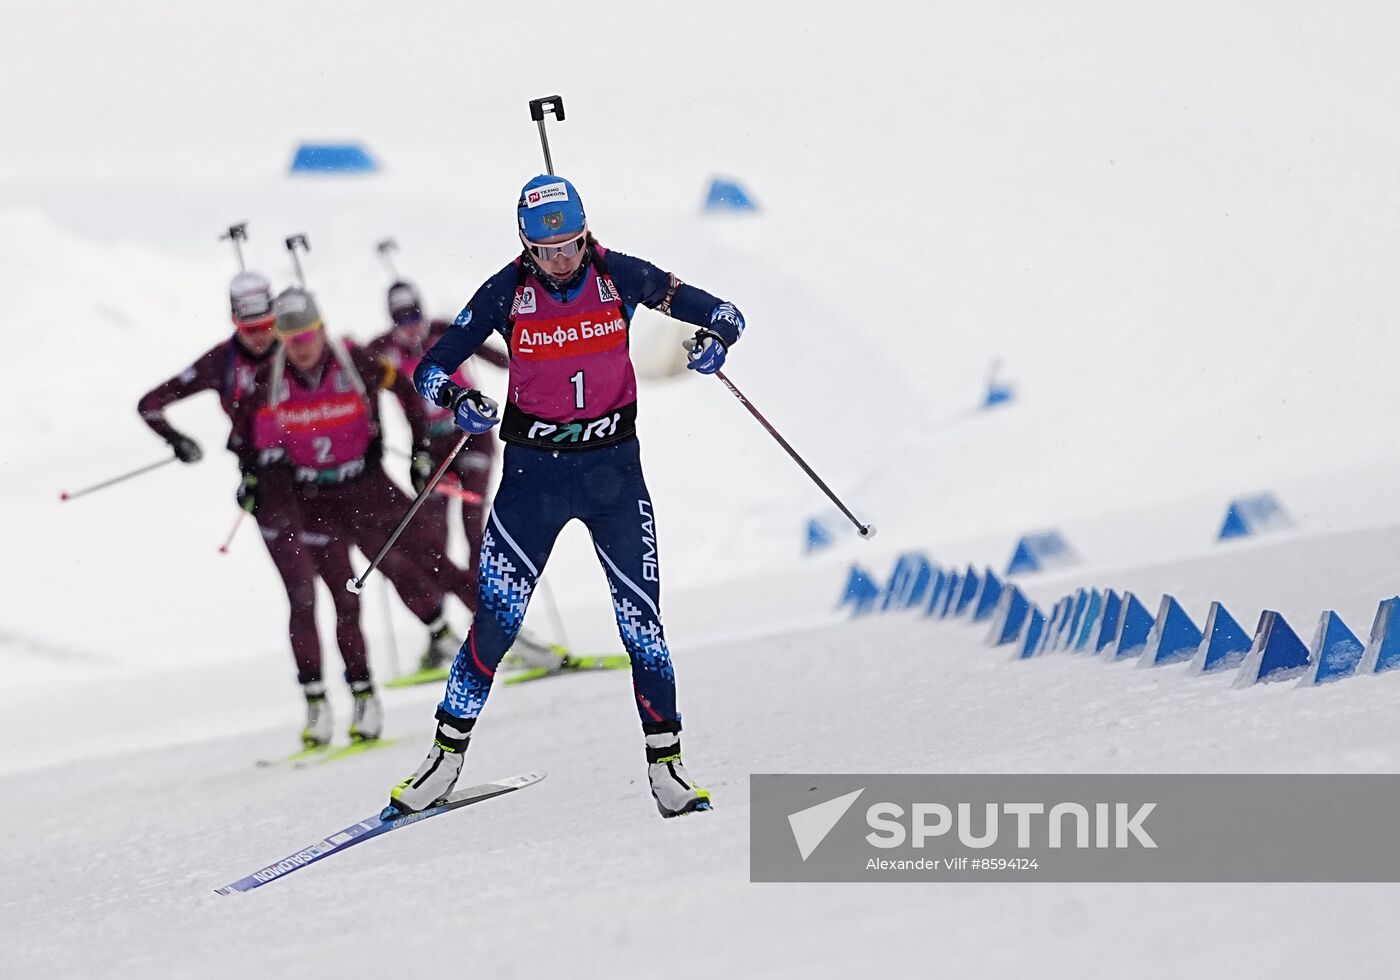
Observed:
{"x":250,"y":297}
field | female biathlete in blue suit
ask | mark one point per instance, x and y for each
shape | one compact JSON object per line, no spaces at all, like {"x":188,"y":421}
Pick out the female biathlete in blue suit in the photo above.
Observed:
{"x":564,"y":308}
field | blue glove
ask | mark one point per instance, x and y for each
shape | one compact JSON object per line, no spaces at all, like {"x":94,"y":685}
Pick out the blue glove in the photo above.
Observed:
{"x":473,"y":411}
{"x":706,"y":352}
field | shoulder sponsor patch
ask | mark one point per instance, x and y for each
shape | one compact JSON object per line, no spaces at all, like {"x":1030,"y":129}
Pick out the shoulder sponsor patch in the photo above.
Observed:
{"x":524,"y":301}
{"x":546,"y":194}
{"x":607,"y":292}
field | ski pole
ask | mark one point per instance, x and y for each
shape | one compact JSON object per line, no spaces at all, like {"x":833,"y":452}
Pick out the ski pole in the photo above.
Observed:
{"x":553,"y":609}
{"x":539,"y":108}
{"x":65,"y":495}
{"x":237,"y":523}
{"x":238,"y":234}
{"x":865,"y":530}
{"x":386,"y":250}
{"x":389,"y":627}
{"x":293,"y":243}
{"x":358,"y":583}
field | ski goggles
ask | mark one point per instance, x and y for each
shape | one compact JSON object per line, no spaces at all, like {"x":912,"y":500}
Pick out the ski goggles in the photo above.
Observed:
{"x":300,"y":335}
{"x":547,"y":253}
{"x":256,"y":327}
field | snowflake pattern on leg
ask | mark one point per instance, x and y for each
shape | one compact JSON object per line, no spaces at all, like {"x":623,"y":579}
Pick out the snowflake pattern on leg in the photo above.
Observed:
{"x":466,"y":688}
{"x":504,"y":593}
{"x":642,"y":636}
{"x":505,"y":589}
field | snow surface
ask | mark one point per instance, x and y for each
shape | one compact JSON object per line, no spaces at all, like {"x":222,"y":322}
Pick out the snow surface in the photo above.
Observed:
{"x":1174,"y":227}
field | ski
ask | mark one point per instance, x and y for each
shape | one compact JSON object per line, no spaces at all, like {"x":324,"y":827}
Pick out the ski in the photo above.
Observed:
{"x":610,"y":661}
{"x":419,"y":677}
{"x":322,"y":754}
{"x":573,"y":665}
{"x":300,"y":756}
{"x":375,"y":826}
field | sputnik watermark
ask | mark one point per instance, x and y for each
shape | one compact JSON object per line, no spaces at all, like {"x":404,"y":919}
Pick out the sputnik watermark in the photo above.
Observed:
{"x":1074,"y":828}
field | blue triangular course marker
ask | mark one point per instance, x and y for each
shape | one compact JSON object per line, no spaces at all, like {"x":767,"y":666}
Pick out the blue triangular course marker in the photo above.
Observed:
{"x":861,"y":592}
{"x":1234,"y":526}
{"x":1253,"y":514}
{"x":1135,"y":623}
{"x":950,"y":595}
{"x":727,"y":195}
{"x":935,"y":591}
{"x":998,"y":393}
{"x":818,"y":537}
{"x":1032,"y":634}
{"x":1110,"y":622}
{"x":987,"y":596}
{"x":1335,"y":652}
{"x":1224,"y":642}
{"x":1074,"y":605}
{"x":909,"y":581}
{"x":1056,"y":624}
{"x":1011,"y":613}
{"x":1092,"y":611}
{"x":971,"y":581}
{"x":1174,"y":636}
{"x":1383,"y":650}
{"x":1276,"y":655}
{"x":1022,"y":560}
{"x":1039,"y":551}
{"x":1070,"y":633}
{"x":332,"y":158}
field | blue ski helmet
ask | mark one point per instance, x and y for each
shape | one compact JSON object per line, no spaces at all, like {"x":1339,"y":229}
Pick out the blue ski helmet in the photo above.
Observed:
{"x":550,"y":206}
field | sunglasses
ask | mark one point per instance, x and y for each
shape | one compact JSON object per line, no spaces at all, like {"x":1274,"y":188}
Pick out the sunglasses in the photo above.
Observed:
{"x":568,"y":250}
{"x":256,"y":328}
{"x":301,"y":337}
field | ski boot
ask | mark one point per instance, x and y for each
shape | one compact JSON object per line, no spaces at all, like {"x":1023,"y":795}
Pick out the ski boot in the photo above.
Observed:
{"x":367,"y":717}
{"x":442,"y":647}
{"x":530,"y":653}
{"x":318,"y":716}
{"x":671,"y":786}
{"x":435,"y":778}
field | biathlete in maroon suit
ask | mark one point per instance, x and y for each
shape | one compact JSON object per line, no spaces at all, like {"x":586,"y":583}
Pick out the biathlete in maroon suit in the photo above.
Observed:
{"x":403,"y":346}
{"x":565,"y":309}
{"x":313,"y":411}
{"x":229,"y":368}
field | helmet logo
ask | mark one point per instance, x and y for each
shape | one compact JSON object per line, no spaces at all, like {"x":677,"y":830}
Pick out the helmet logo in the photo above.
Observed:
{"x":536,"y":196}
